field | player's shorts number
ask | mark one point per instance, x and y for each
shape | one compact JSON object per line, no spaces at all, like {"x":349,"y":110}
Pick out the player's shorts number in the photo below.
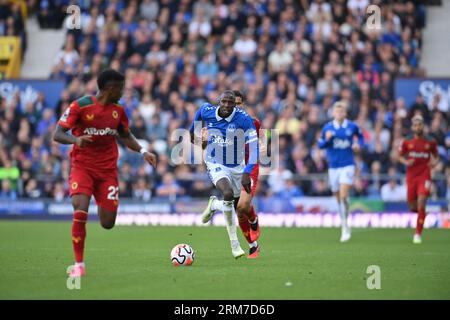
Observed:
{"x":113,"y":193}
{"x":427,"y":184}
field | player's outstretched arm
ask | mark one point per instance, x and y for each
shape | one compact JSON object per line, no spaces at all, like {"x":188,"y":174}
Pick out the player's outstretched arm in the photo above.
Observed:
{"x":359,"y":144}
{"x":131,"y":142}
{"x":434,"y":161}
{"x":404,"y":161}
{"x":60,"y":135}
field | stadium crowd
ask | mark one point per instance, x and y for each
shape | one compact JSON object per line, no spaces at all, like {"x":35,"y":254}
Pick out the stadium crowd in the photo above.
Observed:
{"x":292,"y":59}
{"x":12,"y":22}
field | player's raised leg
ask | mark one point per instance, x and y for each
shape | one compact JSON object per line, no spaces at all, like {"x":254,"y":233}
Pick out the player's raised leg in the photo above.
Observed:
{"x":213,"y":206}
{"x":248,"y":221}
{"x":80,"y":203}
{"x":106,"y":194}
{"x":224,"y":186}
{"x":107,"y":217}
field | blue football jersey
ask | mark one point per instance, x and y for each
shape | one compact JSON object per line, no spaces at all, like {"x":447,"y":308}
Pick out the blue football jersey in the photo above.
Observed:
{"x":339,"y":147}
{"x":227,"y":137}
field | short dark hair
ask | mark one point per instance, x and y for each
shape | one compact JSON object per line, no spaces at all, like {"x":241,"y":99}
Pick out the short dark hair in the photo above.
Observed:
{"x":239,"y":94}
{"x":107,"y":76}
{"x":228,"y":94}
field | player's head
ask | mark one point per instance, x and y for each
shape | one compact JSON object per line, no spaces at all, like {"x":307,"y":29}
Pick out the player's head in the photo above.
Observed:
{"x":417,"y":123}
{"x":111,"y":83}
{"x":239,"y":98}
{"x":339,"y":110}
{"x":227,"y":102}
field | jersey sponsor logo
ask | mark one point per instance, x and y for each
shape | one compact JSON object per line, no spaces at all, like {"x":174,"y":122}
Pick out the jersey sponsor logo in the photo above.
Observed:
{"x":115,"y":114}
{"x":341,"y":144}
{"x":89,"y":117}
{"x":100,"y":132}
{"x":221,"y":141}
{"x":414,"y":154}
{"x":65,"y":116}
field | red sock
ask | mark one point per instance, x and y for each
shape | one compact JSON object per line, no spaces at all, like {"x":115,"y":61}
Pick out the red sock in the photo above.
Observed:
{"x":245,"y":227}
{"x":251,"y":215}
{"x":79,"y":234}
{"x":420,"y":221}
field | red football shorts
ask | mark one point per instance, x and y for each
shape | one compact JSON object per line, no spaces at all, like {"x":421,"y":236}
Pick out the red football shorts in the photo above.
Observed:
{"x":103,"y":185}
{"x":418,"y":186}
{"x":254,"y":179}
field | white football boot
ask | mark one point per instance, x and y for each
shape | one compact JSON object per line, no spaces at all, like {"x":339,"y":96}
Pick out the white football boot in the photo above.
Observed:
{"x":236,"y":249}
{"x":208,"y":212}
{"x":346,"y":234}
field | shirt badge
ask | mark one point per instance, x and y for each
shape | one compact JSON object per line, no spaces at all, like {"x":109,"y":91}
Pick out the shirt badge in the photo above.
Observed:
{"x":231,"y":127}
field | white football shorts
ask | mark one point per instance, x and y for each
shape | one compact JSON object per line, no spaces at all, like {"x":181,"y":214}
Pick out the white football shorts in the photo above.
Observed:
{"x":338,"y":176}
{"x":217,"y":171}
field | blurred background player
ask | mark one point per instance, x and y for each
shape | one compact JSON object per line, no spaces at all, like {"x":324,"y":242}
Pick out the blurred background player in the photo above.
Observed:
{"x":341,"y":137}
{"x":225,"y":160}
{"x":419,"y":154}
{"x":95,"y":122}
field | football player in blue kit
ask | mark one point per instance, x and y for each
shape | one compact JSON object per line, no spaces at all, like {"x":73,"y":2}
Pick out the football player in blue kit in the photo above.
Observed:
{"x":229,"y":130}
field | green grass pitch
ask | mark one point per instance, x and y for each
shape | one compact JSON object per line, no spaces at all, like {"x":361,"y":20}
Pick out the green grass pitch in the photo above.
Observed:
{"x":130,"y":262}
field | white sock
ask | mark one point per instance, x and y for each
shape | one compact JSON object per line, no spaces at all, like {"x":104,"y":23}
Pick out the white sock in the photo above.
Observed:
{"x":217,"y":205}
{"x":341,"y":214}
{"x":346,"y":209}
{"x":253,"y":244}
{"x":79,"y":264}
{"x":228,"y":211}
{"x":343,"y":211}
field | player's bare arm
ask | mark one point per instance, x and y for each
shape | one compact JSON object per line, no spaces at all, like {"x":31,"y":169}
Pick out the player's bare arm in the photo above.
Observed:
{"x":197,"y":140}
{"x":131,"y":142}
{"x":61,"y":136}
{"x":434,"y":161}
{"x":404,"y":161}
{"x":204,"y":137}
{"x":328,"y":135}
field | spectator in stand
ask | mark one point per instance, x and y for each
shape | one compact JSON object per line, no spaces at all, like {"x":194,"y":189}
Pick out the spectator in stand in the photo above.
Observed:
{"x":291,"y":59}
{"x":169,"y":188}
{"x":392,"y":191}
{"x":142,"y":191}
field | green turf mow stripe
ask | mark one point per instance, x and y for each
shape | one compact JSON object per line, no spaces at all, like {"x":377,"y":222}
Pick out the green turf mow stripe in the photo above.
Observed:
{"x":131,"y":262}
